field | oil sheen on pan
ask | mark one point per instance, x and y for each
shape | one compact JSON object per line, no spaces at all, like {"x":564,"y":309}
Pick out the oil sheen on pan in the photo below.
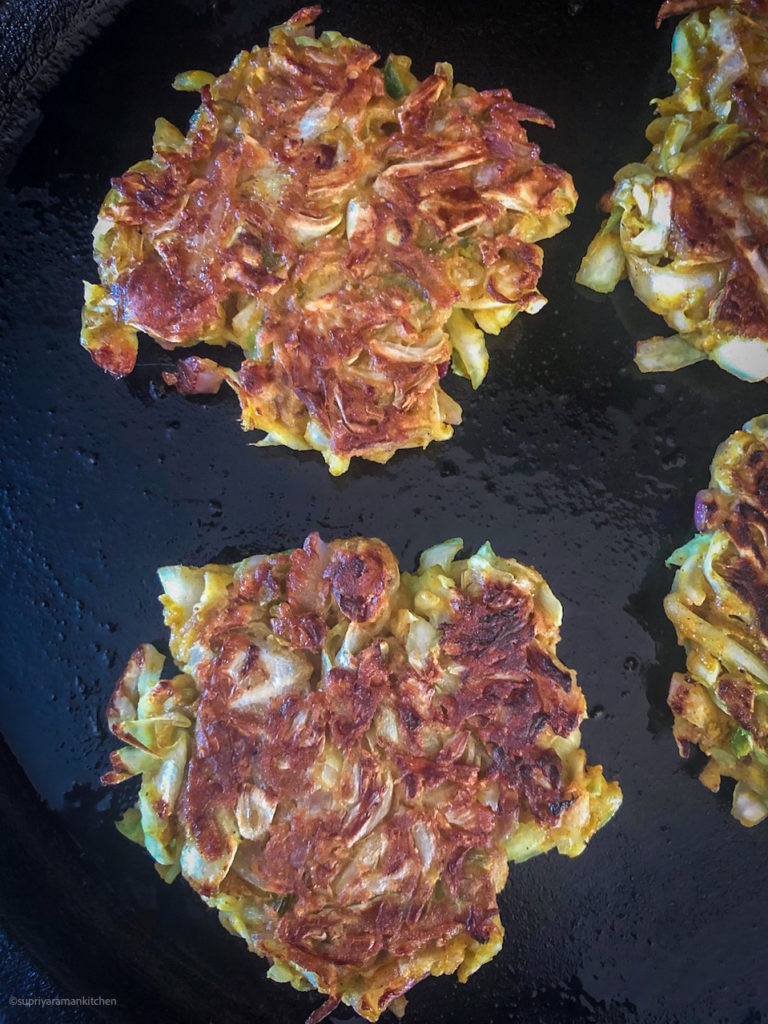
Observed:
{"x":351,"y":756}
{"x":351,"y":229}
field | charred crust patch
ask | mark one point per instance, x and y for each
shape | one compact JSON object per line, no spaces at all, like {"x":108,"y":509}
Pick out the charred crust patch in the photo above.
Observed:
{"x":491,"y":632}
{"x":512,"y":690}
{"x":360,"y":576}
{"x":738,"y":699}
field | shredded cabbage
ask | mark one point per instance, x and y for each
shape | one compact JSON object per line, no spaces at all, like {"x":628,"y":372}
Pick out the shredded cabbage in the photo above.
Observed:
{"x":677,"y":225}
{"x":242,"y":667}
{"x":717,"y":608}
{"x":352,"y":229}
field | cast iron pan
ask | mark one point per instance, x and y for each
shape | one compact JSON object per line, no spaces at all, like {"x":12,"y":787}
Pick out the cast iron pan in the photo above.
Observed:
{"x":568,"y":458}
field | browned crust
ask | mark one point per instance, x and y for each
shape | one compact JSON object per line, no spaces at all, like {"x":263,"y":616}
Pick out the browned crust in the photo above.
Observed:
{"x":674,"y":8}
{"x":743,"y":515}
{"x":711,"y":219}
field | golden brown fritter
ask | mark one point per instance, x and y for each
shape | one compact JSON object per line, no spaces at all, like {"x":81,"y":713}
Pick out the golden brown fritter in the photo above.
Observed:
{"x":353,"y":230}
{"x":352,"y":756}
{"x":689,"y":225}
{"x":719,"y":606}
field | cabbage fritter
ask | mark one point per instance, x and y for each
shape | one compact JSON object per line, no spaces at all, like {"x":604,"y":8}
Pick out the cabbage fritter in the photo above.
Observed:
{"x":352,"y":756}
{"x":352,"y":229}
{"x":719,"y":607}
{"x":689,"y":226}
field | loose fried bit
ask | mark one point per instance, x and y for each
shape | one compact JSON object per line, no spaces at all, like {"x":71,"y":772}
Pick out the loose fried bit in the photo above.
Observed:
{"x":689,"y":226}
{"x":352,"y":756}
{"x":719,"y":607}
{"x":353,"y":230}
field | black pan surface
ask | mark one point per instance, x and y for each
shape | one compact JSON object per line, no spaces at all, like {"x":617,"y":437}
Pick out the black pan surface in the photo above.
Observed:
{"x":568,"y":459}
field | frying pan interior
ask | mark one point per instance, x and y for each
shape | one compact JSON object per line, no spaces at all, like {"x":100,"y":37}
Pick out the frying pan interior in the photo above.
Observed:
{"x":567,"y":458}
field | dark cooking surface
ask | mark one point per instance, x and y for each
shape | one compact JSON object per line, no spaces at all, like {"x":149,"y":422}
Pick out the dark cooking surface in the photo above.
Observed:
{"x":568,"y":459}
